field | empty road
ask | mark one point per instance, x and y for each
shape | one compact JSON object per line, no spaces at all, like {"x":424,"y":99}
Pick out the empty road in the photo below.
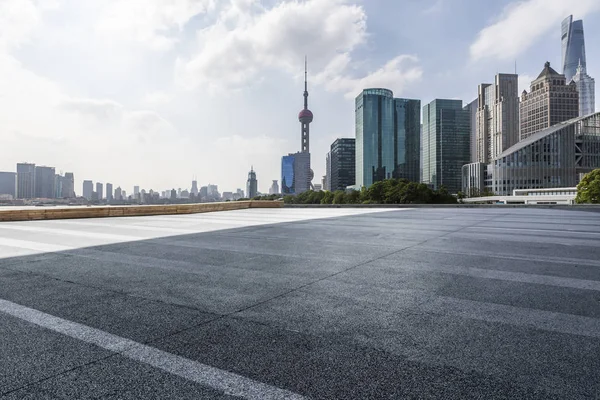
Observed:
{"x":427,"y":303}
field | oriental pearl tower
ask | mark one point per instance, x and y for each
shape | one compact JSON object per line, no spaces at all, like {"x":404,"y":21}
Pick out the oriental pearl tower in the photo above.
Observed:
{"x":306,"y":117}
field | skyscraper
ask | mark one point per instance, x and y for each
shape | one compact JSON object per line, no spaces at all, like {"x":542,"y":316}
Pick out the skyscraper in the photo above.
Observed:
{"x":25,"y":181}
{"x":586,"y":88}
{"x":88,"y":189}
{"x":497,"y":118}
{"x":109,"y":192}
{"x":573,"y":47}
{"x":296,"y":174}
{"x":327,"y":183}
{"x":194,"y":190}
{"x":252,"y":184}
{"x":551,"y":100}
{"x":446,"y":143}
{"x":58,"y":186}
{"x":99,"y":190}
{"x":472,"y":108}
{"x":118,"y":194}
{"x":407,"y":139}
{"x":342,"y":164}
{"x":44,"y":182}
{"x":387,"y":137}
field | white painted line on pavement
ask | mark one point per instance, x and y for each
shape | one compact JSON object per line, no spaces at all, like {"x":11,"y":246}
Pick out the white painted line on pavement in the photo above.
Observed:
{"x":215,"y":378}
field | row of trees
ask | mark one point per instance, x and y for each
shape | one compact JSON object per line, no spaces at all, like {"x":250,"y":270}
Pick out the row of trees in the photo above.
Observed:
{"x":389,"y":191}
{"x":401,"y":191}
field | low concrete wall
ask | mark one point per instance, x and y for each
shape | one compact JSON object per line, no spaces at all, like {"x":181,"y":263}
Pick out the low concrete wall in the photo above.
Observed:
{"x":42,"y":213}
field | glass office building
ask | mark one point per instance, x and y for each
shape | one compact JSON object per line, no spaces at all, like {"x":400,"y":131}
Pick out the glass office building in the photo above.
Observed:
{"x":296,"y":175}
{"x":555,"y":157}
{"x":446,"y":143}
{"x":407,"y":139}
{"x":342,"y":164}
{"x":573,"y":46}
{"x":387,"y":137}
{"x":287,"y":174}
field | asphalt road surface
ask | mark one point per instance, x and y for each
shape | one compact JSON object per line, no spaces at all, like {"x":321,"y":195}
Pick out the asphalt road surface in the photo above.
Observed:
{"x":453,"y":303}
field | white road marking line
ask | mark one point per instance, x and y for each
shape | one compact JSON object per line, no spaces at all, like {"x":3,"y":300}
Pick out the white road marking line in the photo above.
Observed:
{"x":532,"y":230}
{"x":215,"y":378}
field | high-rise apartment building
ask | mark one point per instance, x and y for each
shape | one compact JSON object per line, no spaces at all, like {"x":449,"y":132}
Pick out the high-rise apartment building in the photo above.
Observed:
{"x":25,"y":181}
{"x":497,"y":118}
{"x":551,"y":100}
{"x":252,"y":184}
{"x":8,"y":184}
{"x":44,"y":182}
{"x":573,"y":46}
{"x":88,"y":189}
{"x":99,"y":190}
{"x":387,"y":137}
{"x":109,"y":192}
{"x":68,"y":189}
{"x":342,"y":171}
{"x":446,"y":143}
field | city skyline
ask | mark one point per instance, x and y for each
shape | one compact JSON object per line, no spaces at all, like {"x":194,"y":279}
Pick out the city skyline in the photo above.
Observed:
{"x":177,"y":125}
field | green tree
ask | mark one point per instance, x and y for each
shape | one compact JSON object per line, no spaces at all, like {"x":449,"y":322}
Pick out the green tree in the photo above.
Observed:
{"x":588,"y":190}
{"x":353,"y":197}
{"x":339,"y":197}
{"x":327,"y":198}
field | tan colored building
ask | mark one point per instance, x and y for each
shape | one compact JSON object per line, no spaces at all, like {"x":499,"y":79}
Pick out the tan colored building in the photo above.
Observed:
{"x":550,"y":101}
{"x":497,"y":119}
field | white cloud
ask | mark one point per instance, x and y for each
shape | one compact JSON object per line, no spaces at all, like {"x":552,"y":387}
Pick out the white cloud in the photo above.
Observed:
{"x":522,"y":23}
{"x":394,"y":75}
{"x":435,"y":8}
{"x":19,"y":19}
{"x":154,"y":24}
{"x":157,"y":98}
{"x":246,"y":41}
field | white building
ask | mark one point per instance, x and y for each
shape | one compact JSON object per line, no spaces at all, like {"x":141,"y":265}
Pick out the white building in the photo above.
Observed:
{"x":586,"y":86}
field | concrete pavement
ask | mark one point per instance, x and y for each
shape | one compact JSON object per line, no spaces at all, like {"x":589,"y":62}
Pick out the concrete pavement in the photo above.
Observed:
{"x":303,"y":303}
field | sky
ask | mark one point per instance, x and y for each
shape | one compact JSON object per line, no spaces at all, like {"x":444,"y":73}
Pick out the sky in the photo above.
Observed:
{"x":156,"y":92}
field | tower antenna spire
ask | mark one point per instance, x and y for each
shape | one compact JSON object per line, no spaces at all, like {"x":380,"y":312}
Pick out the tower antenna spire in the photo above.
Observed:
{"x":305,"y":82}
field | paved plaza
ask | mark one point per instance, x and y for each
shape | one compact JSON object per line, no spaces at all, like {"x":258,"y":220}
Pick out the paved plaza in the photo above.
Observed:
{"x":424,"y":303}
